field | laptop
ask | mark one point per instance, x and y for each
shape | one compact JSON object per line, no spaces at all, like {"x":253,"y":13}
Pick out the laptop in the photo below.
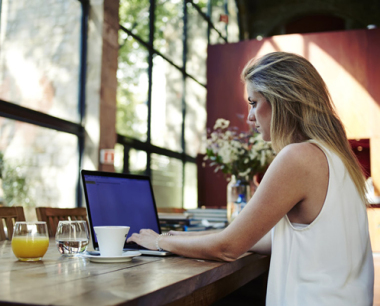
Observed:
{"x":118,"y":199}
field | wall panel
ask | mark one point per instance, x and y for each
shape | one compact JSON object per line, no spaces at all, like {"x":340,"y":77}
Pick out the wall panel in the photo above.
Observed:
{"x":348,"y":62}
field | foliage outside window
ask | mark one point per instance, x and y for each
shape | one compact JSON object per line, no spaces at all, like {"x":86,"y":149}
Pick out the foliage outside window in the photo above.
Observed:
{"x":132,"y":91}
{"x":134,"y":15}
{"x":39,"y":71}
{"x":154,"y":79}
{"x":14,"y":188}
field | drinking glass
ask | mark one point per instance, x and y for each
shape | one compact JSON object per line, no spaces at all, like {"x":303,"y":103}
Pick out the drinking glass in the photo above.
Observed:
{"x":72,"y":237}
{"x":30,"y":240}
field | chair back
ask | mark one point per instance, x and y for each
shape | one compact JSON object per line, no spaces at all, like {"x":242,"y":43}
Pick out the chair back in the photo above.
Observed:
{"x":8,"y":217}
{"x":52,"y":216}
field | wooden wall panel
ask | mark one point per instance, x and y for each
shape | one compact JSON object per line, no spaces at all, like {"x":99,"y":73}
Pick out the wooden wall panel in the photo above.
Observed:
{"x":348,"y":62}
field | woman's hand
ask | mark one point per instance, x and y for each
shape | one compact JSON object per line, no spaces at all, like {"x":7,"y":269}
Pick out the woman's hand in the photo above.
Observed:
{"x":146,"y":238}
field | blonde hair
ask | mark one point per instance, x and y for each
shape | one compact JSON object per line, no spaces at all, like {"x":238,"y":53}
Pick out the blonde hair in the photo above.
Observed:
{"x":302,"y":108}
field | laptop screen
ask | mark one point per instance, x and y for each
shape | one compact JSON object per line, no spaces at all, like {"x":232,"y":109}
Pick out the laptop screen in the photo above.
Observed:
{"x":121,"y":200}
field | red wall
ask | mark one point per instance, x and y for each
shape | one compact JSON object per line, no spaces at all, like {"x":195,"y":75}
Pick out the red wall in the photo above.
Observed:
{"x":347,"y":60}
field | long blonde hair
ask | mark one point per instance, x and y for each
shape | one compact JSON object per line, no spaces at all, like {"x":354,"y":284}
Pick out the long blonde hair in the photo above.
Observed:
{"x":302,"y":108}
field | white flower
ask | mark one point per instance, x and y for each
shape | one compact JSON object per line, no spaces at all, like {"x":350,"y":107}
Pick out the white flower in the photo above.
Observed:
{"x":221,"y":123}
{"x":258,"y":146}
{"x":252,"y":155}
{"x":245,"y":173}
{"x":214,"y":136}
{"x":235,"y":144}
{"x":227,"y":135}
{"x":262,"y":159}
{"x":225,"y":154}
{"x":235,"y":152}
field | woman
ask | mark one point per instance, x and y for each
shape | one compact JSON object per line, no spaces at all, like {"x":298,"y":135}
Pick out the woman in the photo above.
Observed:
{"x":310,"y":207}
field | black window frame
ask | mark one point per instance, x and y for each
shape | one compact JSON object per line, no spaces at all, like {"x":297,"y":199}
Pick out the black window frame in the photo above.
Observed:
{"x":23,"y":114}
{"x":132,"y":143}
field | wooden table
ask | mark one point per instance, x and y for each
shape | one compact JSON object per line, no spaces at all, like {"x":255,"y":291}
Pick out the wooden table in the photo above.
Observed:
{"x":146,"y":280}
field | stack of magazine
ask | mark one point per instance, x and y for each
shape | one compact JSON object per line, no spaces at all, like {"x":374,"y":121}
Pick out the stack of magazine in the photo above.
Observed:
{"x":193,"y":220}
{"x":211,"y":217}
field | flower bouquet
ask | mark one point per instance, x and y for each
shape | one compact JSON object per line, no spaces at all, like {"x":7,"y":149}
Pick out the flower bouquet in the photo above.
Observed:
{"x":243,"y":154}
{"x":240,"y":156}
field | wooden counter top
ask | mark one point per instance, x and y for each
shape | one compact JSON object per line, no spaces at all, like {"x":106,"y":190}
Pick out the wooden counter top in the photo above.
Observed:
{"x":59,"y":280}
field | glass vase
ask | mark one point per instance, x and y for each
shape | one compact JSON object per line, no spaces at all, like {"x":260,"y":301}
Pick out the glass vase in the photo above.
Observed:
{"x":238,"y":194}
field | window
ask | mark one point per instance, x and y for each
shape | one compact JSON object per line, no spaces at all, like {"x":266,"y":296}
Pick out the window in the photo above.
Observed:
{"x":45,"y":158}
{"x":161,"y":100}
{"x":219,"y":9}
{"x":167,"y":97}
{"x":168,"y":30}
{"x":42,"y":60}
{"x":134,"y":16}
{"x":132,"y":91}
{"x":196,"y":44}
{"x":39,"y":56}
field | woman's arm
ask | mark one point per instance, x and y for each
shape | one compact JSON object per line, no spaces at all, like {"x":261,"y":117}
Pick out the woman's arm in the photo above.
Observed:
{"x":286,"y":183}
{"x":264,"y":245}
{"x":200,"y":233}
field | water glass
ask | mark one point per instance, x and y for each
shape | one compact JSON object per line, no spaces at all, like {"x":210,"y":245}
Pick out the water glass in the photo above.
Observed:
{"x":30,"y":240}
{"x":72,"y":237}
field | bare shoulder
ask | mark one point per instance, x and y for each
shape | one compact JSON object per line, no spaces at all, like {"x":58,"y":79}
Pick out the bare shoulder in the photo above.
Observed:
{"x":299,"y":166}
{"x":298,"y":174}
{"x":302,"y":149}
{"x":305,"y":155}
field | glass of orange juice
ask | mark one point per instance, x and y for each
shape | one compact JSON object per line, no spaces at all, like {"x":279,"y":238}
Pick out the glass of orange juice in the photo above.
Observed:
{"x":30,"y":240}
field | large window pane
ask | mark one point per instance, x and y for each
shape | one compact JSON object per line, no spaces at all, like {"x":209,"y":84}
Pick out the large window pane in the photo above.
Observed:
{"x":132,"y":91}
{"x":169,"y":29}
{"x":134,"y":16}
{"x":190,"y":194}
{"x":195,"y":121}
{"x":39,"y":56}
{"x":233,"y":24}
{"x":215,"y":38}
{"x":44,"y":160}
{"x":119,"y":158}
{"x":166,"y":125}
{"x":218,"y":10}
{"x":137,"y":161}
{"x":202,"y":4}
{"x":196,"y":45}
{"x":167,"y":181}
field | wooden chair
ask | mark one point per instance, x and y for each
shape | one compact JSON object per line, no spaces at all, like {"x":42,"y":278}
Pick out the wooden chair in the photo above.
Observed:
{"x":8,"y":217}
{"x":52,"y":216}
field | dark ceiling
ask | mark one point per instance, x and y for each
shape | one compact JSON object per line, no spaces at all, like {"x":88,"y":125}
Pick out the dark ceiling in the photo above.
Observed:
{"x":275,"y":17}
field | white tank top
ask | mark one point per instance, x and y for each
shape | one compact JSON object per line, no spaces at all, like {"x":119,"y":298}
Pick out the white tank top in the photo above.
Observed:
{"x":328,"y":262}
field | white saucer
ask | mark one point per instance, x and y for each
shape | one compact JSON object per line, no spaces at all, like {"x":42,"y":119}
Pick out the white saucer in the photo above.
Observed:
{"x":127,"y":256}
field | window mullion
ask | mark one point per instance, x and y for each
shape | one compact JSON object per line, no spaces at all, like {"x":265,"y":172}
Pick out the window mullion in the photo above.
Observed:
{"x":82,"y":90}
{"x":150,"y":77}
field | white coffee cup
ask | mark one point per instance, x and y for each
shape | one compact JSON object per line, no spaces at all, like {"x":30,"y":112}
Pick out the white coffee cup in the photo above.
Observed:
{"x":111,"y":239}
